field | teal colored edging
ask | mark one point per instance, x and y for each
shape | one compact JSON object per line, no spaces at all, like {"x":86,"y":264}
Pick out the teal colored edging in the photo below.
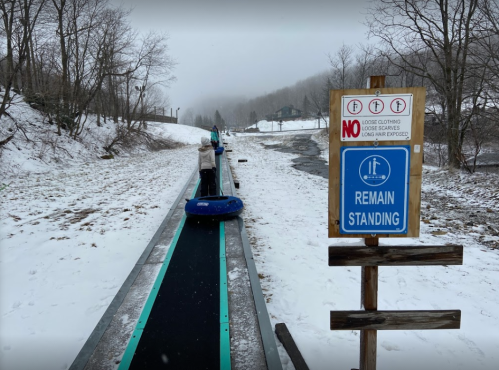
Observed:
{"x":224,"y":347}
{"x":224,"y":306}
{"x":139,"y":328}
{"x":221,"y":179}
{"x":224,"y":297}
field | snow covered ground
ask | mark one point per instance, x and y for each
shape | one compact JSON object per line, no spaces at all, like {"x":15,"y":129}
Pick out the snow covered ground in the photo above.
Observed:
{"x":72,"y":229}
{"x":286,"y":214}
{"x":276,"y":127}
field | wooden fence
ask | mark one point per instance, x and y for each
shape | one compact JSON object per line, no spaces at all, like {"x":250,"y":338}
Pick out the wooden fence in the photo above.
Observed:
{"x":159,"y":118}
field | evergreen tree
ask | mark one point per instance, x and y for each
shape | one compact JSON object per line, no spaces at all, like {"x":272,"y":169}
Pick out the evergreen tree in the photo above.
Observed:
{"x":208,"y":122}
{"x":218,"y":120}
{"x":252,"y":117}
{"x":199,"y":121}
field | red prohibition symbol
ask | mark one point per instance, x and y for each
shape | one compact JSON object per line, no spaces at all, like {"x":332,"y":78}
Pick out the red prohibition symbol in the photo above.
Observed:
{"x":376,"y":106}
{"x":398,"y":105}
{"x":354,"y":106}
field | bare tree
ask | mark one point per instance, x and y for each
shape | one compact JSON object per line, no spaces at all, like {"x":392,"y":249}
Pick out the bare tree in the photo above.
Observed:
{"x":364,"y":66}
{"x":432,"y":39}
{"x":341,"y":67}
{"x":487,"y":53}
{"x":84,"y":31}
{"x":150,"y":66}
{"x":19,"y":18}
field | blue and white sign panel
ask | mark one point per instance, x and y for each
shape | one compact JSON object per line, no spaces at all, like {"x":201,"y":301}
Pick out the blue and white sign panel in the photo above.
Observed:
{"x":374,"y":194}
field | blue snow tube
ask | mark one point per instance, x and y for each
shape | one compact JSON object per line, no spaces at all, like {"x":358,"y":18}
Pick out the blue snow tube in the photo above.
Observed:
{"x":219,"y":150}
{"x":216,"y":206}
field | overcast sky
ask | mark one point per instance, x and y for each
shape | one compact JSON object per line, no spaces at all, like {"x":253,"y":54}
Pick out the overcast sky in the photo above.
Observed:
{"x":247,"y":47}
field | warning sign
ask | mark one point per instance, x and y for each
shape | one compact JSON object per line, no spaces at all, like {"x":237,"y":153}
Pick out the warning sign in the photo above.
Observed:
{"x":376,"y":117}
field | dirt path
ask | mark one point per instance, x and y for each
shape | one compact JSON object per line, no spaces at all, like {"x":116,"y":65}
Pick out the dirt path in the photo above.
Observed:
{"x":308,"y":151}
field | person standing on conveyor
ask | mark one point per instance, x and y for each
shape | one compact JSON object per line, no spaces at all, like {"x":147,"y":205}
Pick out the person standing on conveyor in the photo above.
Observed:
{"x":214,"y":137}
{"x":207,"y":168}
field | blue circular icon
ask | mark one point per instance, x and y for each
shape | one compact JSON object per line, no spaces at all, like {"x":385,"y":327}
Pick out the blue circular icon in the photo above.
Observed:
{"x":374,"y":170}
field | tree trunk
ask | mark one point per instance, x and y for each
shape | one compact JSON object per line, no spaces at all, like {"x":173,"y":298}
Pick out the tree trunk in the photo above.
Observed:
{"x":63,"y":88}
{"x":28,"y":77}
{"x":8,"y":19}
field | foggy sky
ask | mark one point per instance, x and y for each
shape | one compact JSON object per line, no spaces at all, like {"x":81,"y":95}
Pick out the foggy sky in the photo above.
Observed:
{"x":247,"y":47}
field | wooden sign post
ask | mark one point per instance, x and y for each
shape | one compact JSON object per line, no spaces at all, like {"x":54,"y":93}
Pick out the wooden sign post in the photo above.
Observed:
{"x":369,"y":300}
{"x":375,"y":170}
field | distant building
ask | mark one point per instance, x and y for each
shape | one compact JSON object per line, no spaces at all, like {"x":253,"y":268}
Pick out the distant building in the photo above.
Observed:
{"x":286,"y":113}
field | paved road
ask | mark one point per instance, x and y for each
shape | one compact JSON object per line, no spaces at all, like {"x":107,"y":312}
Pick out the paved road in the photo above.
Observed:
{"x":308,"y":151}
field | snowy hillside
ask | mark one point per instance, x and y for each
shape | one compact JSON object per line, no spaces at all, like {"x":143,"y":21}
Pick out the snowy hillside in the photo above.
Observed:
{"x":36,"y":148}
{"x":275,"y":126}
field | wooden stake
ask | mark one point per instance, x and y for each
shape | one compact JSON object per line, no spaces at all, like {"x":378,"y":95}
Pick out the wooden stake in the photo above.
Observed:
{"x":376,"y":82}
{"x":369,"y":301}
{"x":289,"y":344}
{"x":369,"y":289}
